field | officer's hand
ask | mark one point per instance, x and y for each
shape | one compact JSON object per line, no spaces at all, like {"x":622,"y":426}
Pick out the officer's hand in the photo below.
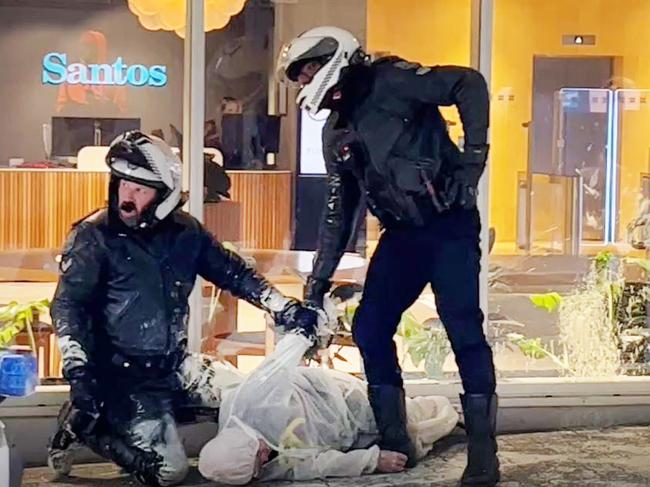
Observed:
{"x":467,"y":196}
{"x":315,"y":290}
{"x":147,"y":467}
{"x":86,"y":407}
{"x":340,"y":144}
{"x":463,"y":189}
{"x":300,"y":318}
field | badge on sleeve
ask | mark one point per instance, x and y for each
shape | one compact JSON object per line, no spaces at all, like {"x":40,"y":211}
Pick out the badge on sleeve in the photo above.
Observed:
{"x":407,"y":65}
{"x":66,"y":258}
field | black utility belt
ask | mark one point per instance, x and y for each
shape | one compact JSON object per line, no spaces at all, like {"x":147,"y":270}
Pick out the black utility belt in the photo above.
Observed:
{"x":146,"y":364}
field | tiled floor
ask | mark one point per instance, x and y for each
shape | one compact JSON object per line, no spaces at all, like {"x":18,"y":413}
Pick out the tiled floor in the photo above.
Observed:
{"x":618,"y":457}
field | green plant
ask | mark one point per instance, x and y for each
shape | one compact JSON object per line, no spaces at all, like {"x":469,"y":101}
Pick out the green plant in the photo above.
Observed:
{"x":603,"y":260}
{"x":530,"y":347}
{"x":17,"y":317}
{"x":549,"y":301}
{"x":424,"y":342}
{"x":348,"y":315}
{"x":603,"y":323}
{"x":533,"y":348}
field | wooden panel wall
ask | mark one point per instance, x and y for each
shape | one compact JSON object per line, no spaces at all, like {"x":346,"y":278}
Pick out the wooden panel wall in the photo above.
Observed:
{"x":265,"y":208}
{"x":37,"y":207}
{"x":223,"y":220}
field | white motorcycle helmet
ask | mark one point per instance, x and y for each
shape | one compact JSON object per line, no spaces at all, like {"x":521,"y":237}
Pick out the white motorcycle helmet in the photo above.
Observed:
{"x":333,"y":48}
{"x":147,"y":160}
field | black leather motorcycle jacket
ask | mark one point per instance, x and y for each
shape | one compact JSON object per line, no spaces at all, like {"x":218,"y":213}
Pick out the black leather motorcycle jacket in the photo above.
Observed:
{"x":123,"y":295}
{"x":387,"y":143}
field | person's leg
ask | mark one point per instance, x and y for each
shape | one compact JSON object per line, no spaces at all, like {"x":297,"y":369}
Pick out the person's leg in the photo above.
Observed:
{"x":160,"y":436}
{"x":65,"y":443}
{"x":456,"y":288}
{"x":149,"y":426}
{"x":396,"y":277}
{"x":143,"y":465}
{"x":455,"y":281}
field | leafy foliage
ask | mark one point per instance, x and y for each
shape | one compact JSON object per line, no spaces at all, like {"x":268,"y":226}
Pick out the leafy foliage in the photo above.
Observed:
{"x":16,"y":317}
{"x":549,"y":301}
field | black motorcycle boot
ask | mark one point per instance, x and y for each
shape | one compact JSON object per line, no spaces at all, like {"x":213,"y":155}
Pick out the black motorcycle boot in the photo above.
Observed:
{"x":389,"y":407}
{"x":480,"y":414}
{"x":143,"y":465}
{"x":63,"y":444}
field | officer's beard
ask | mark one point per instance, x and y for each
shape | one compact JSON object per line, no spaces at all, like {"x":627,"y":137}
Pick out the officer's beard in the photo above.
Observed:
{"x":129,"y":214}
{"x":138,"y":218}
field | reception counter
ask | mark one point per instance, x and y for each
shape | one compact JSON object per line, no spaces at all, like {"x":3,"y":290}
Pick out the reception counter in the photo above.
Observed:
{"x":37,"y":206}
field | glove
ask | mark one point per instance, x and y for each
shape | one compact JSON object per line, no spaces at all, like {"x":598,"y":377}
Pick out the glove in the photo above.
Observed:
{"x":147,"y":468}
{"x":298,"y":317}
{"x":461,"y":188}
{"x":315,"y":290}
{"x":340,"y":144}
{"x":143,"y":465}
{"x":86,"y":407}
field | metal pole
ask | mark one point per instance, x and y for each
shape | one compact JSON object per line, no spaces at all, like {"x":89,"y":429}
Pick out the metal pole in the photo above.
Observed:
{"x":573,"y":223}
{"x":529,"y":190}
{"x":193,"y":120}
{"x":481,"y":59}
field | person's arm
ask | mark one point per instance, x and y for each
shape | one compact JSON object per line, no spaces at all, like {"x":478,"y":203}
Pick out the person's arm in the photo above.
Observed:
{"x":228,"y":271}
{"x":463,"y":87}
{"x":339,"y":218}
{"x":80,"y":274}
{"x":444,"y":86}
{"x":331,"y":463}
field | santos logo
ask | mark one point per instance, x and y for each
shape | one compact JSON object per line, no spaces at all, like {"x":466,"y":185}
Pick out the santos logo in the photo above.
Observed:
{"x":57,"y":71}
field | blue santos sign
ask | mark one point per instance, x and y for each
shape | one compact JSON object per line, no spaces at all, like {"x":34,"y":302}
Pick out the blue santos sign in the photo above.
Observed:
{"x":56,"y":71}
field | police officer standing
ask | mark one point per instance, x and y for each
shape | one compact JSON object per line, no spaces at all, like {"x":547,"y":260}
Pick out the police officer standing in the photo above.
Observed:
{"x":385,"y":141}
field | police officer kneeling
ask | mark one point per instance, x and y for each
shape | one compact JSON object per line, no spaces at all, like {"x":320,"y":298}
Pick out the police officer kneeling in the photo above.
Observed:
{"x":120,"y":312}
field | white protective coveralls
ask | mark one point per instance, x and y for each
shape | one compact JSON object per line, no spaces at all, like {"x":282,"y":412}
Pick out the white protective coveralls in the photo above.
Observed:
{"x":318,"y":421}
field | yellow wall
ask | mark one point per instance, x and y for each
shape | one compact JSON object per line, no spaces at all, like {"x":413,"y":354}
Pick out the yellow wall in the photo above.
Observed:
{"x":524,"y":28}
{"x":430,"y":32}
{"x":438,"y":32}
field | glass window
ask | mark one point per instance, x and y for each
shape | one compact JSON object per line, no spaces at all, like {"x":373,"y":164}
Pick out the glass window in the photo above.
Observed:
{"x":248,"y":196}
{"x":76,"y":76}
{"x":568,"y":188}
{"x":438,"y":33}
{"x":262,"y":200}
